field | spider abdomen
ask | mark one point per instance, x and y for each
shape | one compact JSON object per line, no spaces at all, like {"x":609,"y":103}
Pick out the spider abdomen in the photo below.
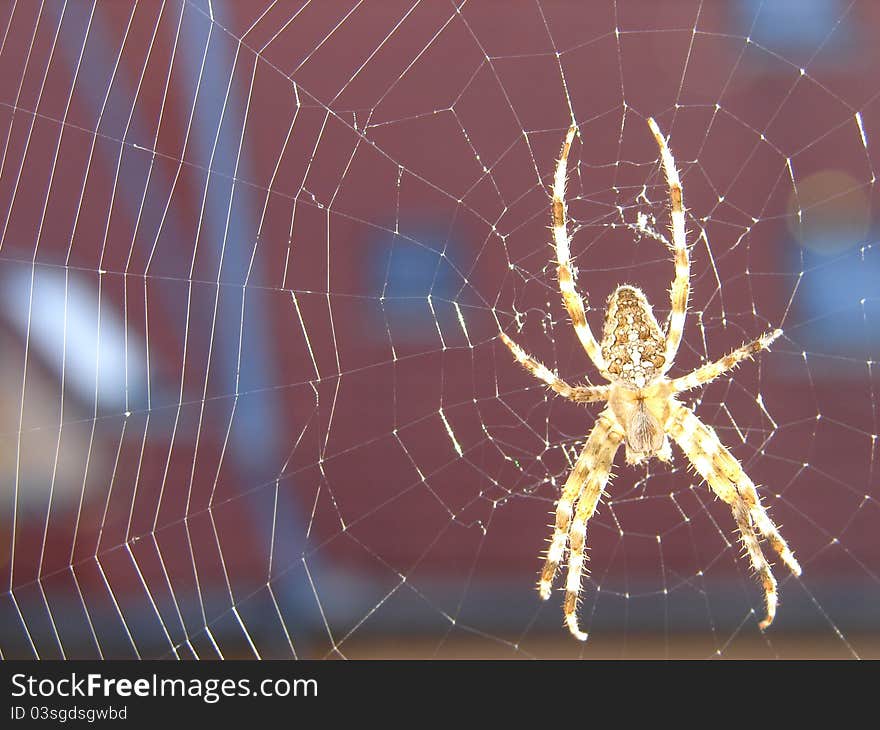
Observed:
{"x":633,"y":345}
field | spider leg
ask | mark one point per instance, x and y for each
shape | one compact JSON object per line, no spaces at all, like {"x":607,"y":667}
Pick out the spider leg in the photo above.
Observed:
{"x":577,"y":393}
{"x":596,"y":456}
{"x":712,"y":370}
{"x":681,"y":283}
{"x":573,"y":302}
{"x":586,"y":507}
{"x":728,"y":480}
{"x":759,"y":562}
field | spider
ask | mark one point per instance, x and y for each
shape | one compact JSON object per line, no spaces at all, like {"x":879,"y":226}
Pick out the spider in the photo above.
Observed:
{"x":642,"y":411}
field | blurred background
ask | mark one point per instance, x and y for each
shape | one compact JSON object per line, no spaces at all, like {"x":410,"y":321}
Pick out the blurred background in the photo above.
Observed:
{"x":253,"y":262}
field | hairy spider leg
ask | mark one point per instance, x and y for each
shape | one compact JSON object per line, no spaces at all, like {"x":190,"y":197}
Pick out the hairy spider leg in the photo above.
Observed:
{"x":727,"y":479}
{"x":573,"y":302}
{"x":592,"y":459}
{"x":586,"y":507}
{"x":576,"y":393}
{"x":681,"y":283}
{"x":712,"y":370}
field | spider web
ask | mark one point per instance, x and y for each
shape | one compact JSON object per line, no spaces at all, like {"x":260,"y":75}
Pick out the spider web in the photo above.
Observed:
{"x":254,"y":260}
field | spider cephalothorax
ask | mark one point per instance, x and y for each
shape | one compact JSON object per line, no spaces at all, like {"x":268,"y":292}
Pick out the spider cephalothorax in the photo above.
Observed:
{"x":642,"y":411}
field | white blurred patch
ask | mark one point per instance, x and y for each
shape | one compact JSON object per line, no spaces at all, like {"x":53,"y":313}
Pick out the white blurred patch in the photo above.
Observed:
{"x":81,"y":339}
